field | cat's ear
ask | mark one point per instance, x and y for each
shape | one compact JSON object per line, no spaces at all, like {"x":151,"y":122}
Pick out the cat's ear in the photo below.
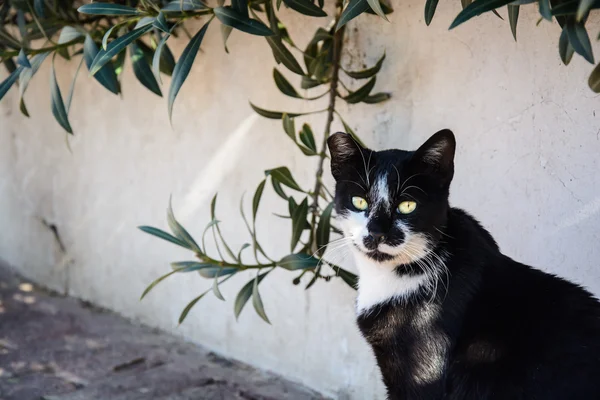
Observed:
{"x":436,"y":155}
{"x":344,"y":151}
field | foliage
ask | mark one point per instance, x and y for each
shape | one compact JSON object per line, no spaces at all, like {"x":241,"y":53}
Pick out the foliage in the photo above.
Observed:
{"x":100,"y":35}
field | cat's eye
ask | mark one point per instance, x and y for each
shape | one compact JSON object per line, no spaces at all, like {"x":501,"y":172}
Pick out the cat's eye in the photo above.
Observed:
{"x":406,"y":207}
{"x":360,"y":203}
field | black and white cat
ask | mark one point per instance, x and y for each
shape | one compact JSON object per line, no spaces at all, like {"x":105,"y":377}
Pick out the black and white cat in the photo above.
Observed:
{"x":447,"y":314}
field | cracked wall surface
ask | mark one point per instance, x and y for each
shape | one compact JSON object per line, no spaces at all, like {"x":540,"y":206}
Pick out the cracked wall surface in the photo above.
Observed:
{"x":528,"y":131}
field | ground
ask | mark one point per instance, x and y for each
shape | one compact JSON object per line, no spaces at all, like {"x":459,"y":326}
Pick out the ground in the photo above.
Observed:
{"x":58,"y":348}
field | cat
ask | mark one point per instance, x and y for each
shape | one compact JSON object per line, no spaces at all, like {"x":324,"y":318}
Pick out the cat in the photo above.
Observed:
{"x":448,"y":316}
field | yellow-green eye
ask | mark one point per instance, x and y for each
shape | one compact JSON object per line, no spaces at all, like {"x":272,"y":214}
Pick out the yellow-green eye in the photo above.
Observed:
{"x":359,"y":203}
{"x":406,"y":207}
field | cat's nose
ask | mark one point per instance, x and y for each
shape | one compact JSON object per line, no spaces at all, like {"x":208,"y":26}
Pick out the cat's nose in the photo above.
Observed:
{"x":377,"y":237}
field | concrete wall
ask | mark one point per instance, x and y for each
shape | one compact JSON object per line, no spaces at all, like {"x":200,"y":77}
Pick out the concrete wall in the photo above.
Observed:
{"x":527,"y":166}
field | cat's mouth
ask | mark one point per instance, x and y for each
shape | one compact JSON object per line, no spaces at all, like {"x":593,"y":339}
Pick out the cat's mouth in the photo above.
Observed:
{"x":376,"y":255}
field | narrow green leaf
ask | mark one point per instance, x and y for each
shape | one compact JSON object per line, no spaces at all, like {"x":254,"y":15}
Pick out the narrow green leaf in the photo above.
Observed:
{"x":579,"y":39}
{"x":594,"y":80}
{"x":157,"y":56}
{"x":273,"y":114}
{"x":144,"y":22}
{"x":23,"y":108}
{"x":298,"y":221}
{"x":361,"y":93}
{"x":348,"y":277}
{"x":215,"y":272}
{"x":8,"y":82}
{"x":164,"y":235}
{"x":184,"y":5}
{"x":284,"y":85}
{"x":115,"y":47}
{"x":376,"y":7}
{"x":256,"y":199}
{"x":353,"y":9}
{"x":430,"y":6}
{"x":57,"y":104}
{"x":107,"y":36}
{"x":564,"y":47}
{"x":544,"y":8}
{"x":278,"y":189}
{"x":241,"y":6}
{"x":385,"y":6}
{"x":284,"y":176}
{"x":244,"y":294}
{"x":465,"y":3}
{"x":225,"y":33}
{"x":161,"y":23}
{"x":377,"y":98}
{"x":185,"y":266}
{"x":513,"y":17}
{"x":476,"y":8}
{"x":216,"y":290}
{"x":284,"y":55}
{"x":184,"y":65}
{"x":351,"y":132}
{"x":323,"y":229}
{"x":107,"y":9}
{"x":38,"y":6}
{"x":142,"y":70}
{"x":72,"y":89}
{"x":305,"y":7}
{"x":367,"y":73}
{"x":244,"y":247}
{"x":22,"y":59}
{"x":257,"y":302}
{"x":309,"y":83}
{"x":68,"y":34}
{"x":234,"y":19}
{"x":308,"y":138}
{"x":297,"y":261}
{"x":187,"y":308}
{"x":105,"y":75}
{"x":179,"y":231}
{"x":289,"y":127}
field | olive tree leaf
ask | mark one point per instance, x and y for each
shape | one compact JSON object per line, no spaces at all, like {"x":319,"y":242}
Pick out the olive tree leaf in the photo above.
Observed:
{"x":72,"y":89}
{"x":289,"y":126}
{"x":594,"y":80}
{"x":216,"y":290}
{"x":28,"y":73}
{"x":348,"y":277}
{"x":305,"y":7}
{"x":273,"y":114}
{"x":234,"y":19}
{"x":38,"y":6}
{"x":366,"y":73}
{"x":215,"y":272}
{"x":180,"y":232}
{"x":579,"y":39}
{"x":184,"y":65}
{"x":225,"y":32}
{"x":244,"y":294}
{"x":256,"y":198}
{"x":105,"y":75}
{"x":278,"y":189}
{"x":284,"y":55}
{"x":476,"y":8}
{"x":115,"y":47}
{"x":184,"y":5}
{"x":257,"y":301}
{"x":564,"y":47}
{"x":22,"y":59}
{"x":430,"y":6}
{"x":189,"y":306}
{"x":307,"y":137}
{"x":298,"y":222}
{"x":377,"y":98}
{"x":309,"y":83}
{"x":164,"y":235}
{"x":323,"y":229}
{"x":353,"y":9}
{"x":8,"y":82}
{"x":241,"y":6}
{"x":156,"y":59}
{"x":284,"y":176}
{"x":351,"y":132}
{"x":361,"y":93}
{"x":107,"y":9}
{"x":57,"y":104}
{"x":293,"y":262}
{"x":513,"y":17}
{"x":284,"y":85}
{"x":142,"y":69}
{"x":376,"y":7}
{"x":544,"y":8}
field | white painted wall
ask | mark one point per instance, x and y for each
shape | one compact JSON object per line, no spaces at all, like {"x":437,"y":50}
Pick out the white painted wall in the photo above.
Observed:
{"x":527,"y":167}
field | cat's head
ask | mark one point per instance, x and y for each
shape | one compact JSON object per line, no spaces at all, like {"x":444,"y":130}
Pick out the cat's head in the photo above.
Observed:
{"x":392,"y":204}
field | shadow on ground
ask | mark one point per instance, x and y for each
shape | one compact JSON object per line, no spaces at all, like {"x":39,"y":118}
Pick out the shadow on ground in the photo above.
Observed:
{"x":58,"y":348}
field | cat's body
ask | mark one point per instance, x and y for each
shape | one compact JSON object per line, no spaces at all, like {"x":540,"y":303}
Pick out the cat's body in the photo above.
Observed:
{"x":447,"y":314}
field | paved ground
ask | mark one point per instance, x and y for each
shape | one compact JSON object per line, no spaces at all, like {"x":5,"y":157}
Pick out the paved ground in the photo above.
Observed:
{"x":57,"y":348}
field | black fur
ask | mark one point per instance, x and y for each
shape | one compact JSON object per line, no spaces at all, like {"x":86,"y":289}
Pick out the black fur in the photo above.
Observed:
{"x":504,"y":330}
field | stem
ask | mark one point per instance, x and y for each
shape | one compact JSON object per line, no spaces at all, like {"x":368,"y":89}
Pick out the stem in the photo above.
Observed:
{"x":44,"y":49}
{"x":338,"y":42}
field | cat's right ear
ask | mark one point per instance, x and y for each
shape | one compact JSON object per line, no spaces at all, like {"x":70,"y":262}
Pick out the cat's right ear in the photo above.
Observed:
{"x":344,"y":150}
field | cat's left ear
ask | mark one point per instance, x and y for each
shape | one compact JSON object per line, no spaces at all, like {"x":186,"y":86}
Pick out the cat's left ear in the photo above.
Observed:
{"x":436,"y":155}
{"x":344,"y":151}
